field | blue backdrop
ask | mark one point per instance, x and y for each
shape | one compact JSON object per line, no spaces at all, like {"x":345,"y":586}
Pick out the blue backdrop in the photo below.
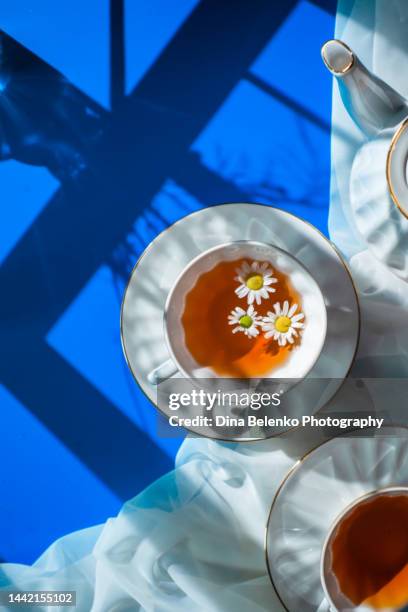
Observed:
{"x":116,"y":119}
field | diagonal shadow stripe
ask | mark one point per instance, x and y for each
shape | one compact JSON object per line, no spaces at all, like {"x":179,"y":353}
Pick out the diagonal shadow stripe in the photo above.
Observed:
{"x":209,"y":55}
{"x":298,"y":108}
{"x":204,"y":184}
{"x":142,"y":144}
{"x":117,"y":52}
{"x":282,"y":97}
{"x":105,"y":440}
{"x":81,"y":225}
{"x":327,"y":5}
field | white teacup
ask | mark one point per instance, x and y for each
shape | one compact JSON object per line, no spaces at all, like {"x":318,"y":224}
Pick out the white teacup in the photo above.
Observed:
{"x":337,"y":600}
{"x":301,"y":359}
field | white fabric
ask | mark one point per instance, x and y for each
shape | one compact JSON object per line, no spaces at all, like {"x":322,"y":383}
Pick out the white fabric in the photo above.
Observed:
{"x":378,"y":33}
{"x":194,"y":540}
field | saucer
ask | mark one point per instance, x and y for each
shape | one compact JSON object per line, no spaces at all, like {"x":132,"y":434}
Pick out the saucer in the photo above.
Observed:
{"x":142,"y":329}
{"x":315,"y":492}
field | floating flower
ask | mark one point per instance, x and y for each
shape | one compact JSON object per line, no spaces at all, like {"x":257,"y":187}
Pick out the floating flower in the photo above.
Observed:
{"x":246,"y":321}
{"x":283,"y":324}
{"x":256,"y":280}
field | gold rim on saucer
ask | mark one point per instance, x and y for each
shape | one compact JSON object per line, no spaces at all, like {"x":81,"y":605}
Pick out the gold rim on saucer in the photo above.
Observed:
{"x":152,"y":244}
{"x":295,"y":467}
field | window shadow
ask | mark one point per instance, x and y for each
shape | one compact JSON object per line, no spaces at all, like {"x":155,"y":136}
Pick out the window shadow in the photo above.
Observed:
{"x":110,"y":166}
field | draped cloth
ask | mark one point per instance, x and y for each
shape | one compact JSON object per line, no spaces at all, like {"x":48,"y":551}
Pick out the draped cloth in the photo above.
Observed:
{"x":194,"y":540}
{"x":378,"y":32}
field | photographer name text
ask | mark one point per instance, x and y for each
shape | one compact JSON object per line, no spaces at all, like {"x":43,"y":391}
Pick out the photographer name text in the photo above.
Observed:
{"x":252,"y":420}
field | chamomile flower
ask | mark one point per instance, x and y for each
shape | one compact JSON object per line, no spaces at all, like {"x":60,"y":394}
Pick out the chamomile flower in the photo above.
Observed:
{"x":283,"y":324}
{"x":246,"y":321}
{"x":256,"y":280}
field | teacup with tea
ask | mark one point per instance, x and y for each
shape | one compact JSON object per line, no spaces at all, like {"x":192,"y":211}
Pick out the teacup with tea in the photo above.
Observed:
{"x":243,"y":310}
{"x":365,"y":556}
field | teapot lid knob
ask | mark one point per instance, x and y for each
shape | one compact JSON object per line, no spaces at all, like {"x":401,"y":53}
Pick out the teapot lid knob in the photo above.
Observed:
{"x":338,"y":57}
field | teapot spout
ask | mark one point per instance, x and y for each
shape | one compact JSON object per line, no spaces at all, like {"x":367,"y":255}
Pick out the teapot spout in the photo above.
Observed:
{"x":371,"y":103}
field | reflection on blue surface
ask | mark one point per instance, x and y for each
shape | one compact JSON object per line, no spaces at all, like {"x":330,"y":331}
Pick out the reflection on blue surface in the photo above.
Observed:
{"x":244,"y":125}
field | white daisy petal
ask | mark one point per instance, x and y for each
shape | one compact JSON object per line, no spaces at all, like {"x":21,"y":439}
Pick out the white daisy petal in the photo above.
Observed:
{"x":292,"y":310}
{"x":274,"y":326}
{"x":249,"y":328}
{"x":245,"y":274}
{"x":242,"y":291}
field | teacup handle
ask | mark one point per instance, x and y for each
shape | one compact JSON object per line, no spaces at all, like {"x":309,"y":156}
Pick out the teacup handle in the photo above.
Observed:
{"x":162,"y":372}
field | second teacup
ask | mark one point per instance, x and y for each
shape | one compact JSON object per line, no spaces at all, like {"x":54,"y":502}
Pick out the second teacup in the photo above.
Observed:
{"x":365,"y":556}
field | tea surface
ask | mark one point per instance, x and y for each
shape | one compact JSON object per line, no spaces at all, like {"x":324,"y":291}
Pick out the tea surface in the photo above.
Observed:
{"x":209,"y":337}
{"x":370,"y":553}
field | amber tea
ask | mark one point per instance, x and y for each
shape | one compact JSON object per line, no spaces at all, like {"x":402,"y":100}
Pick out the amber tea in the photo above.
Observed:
{"x":242,"y":318}
{"x":369,"y":552}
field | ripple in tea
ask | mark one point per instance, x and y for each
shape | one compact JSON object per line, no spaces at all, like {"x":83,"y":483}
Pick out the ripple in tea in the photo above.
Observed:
{"x":242,"y":319}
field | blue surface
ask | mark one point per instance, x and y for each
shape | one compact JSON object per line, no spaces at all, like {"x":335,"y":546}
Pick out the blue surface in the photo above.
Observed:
{"x":207,"y":103}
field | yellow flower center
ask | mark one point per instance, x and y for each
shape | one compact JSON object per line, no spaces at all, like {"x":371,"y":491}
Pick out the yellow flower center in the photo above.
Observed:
{"x":245,"y":321}
{"x":282,"y":324}
{"x":254,"y":282}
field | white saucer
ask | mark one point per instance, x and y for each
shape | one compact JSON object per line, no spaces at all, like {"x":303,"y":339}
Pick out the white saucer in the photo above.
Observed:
{"x":315,"y":492}
{"x":142,"y":329}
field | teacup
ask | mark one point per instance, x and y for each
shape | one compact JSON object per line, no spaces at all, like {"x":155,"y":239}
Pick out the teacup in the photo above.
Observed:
{"x":364,"y":563}
{"x":301,"y":359}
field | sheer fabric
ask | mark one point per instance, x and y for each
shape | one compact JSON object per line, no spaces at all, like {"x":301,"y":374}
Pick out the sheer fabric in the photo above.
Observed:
{"x":194,"y":540}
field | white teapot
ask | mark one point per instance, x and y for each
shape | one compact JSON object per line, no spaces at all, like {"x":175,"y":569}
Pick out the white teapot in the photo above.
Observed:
{"x":379,"y":174}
